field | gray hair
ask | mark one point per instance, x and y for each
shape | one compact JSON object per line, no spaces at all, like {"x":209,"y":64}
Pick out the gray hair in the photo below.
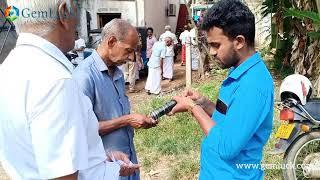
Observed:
{"x":118,"y":28}
{"x":167,"y":28}
{"x":46,"y":12}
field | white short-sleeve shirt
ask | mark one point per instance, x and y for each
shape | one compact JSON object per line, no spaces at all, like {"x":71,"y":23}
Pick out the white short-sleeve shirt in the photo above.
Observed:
{"x":47,"y":126}
{"x":184,"y":37}
{"x":170,"y":50}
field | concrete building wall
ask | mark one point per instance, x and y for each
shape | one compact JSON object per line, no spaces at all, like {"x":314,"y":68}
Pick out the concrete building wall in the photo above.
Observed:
{"x":132,"y":11}
{"x":174,"y":19}
{"x":142,"y":13}
{"x":156,"y":17}
{"x":263,"y":25}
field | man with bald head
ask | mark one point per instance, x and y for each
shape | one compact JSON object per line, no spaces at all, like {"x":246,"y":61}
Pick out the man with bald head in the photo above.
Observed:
{"x":153,"y":84}
{"x":101,"y":80}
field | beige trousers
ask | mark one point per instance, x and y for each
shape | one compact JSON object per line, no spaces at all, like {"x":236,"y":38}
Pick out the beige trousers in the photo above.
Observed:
{"x":130,"y":73}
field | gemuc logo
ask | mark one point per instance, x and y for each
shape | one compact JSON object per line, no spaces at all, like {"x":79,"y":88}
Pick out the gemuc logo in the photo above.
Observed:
{"x":11,"y":13}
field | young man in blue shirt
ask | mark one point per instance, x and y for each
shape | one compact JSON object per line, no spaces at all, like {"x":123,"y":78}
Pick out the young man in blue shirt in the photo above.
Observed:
{"x":239,"y":124}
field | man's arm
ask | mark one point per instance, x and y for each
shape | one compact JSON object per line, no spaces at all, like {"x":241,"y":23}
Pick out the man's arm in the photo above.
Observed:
{"x":207,"y":105}
{"x":186,"y":103}
{"x":161,"y":65}
{"x":107,"y":126}
{"x":248,"y":111}
{"x":133,"y":120}
{"x":205,"y":121}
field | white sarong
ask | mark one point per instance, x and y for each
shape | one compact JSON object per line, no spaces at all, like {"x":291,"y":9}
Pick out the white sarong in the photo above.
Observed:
{"x":168,"y":67}
{"x":153,"y":83}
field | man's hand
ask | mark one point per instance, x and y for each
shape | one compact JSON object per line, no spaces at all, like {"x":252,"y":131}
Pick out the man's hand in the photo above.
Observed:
{"x":192,"y":94}
{"x":141,"y":121}
{"x":126,"y":166}
{"x":205,"y":103}
{"x":183,"y":104}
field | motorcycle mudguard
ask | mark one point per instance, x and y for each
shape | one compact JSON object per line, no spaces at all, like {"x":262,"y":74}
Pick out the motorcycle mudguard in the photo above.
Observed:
{"x":282,"y":145}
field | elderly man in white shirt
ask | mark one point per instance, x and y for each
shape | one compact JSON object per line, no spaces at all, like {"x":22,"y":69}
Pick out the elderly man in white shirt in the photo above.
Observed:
{"x":48,"y":129}
{"x":168,"y":62}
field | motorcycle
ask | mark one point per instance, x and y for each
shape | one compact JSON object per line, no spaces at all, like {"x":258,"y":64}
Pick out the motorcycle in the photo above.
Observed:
{"x":299,"y":133}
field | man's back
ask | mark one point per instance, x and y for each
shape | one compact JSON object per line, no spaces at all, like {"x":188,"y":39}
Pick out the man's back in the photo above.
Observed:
{"x":169,"y":34}
{"x":43,"y":133}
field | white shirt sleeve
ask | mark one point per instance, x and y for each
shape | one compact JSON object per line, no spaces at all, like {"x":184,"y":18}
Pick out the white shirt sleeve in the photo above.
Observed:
{"x":181,"y":36}
{"x":57,"y":127}
{"x":163,"y":51}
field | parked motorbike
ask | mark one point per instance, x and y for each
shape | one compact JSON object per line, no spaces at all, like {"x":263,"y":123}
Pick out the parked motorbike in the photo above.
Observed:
{"x":299,"y":132}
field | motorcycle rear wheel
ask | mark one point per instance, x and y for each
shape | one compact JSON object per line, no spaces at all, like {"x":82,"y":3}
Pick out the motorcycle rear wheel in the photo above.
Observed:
{"x":297,"y":152}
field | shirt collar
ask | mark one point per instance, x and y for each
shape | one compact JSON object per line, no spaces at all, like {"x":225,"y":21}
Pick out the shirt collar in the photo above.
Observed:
{"x":102,"y":67}
{"x":99,"y":63}
{"x":235,"y":73}
{"x":46,"y":46}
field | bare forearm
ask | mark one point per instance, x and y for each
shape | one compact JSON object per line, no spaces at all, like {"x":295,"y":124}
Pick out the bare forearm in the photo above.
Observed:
{"x":204,"y":120}
{"x":161,"y":64}
{"x":80,"y":49}
{"x":206,"y":105}
{"x":107,"y":126}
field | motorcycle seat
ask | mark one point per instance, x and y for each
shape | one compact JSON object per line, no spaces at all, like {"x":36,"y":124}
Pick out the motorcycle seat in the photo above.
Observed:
{"x":313,"y":107}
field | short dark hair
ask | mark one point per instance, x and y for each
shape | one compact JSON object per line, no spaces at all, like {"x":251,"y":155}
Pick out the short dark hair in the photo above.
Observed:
{"x":233,"y":17}
{"x":150,"y":28}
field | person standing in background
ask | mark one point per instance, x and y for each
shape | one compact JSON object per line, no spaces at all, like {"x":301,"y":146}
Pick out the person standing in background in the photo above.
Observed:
{"x":151,"y":39}
{"x":153,"y":84}
{"x":79,"y":47}
{"x":184,"y":37}
{"x":168,"y":62}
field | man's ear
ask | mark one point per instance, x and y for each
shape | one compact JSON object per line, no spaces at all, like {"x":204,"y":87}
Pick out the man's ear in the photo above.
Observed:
{"x":239,"y":42}
{"x":112,"y":41}
{"x":64,"y":15}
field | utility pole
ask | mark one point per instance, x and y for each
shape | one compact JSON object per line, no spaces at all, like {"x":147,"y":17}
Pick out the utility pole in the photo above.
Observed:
{"x":188,"y":63}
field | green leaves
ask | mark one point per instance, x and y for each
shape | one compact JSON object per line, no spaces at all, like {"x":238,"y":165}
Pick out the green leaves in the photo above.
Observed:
{"x":302,"y":15}
{"x":314,"y":35}
{"x":315,"y":17}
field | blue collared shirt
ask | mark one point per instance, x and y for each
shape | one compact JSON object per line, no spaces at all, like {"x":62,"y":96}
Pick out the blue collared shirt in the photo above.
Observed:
{"x":243,"y":116}
{"x":107,"y":94}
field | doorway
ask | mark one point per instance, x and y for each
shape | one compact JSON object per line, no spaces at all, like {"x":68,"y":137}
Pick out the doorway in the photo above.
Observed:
{"x":104,"y":18}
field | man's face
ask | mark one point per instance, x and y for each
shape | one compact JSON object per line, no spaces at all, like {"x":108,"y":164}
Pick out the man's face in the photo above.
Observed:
{"x":124,"y":51}
{"x":70,"y":31}
{"x":150,"y":33}
{"x":168,"y":42}
{"x":222,"y":48}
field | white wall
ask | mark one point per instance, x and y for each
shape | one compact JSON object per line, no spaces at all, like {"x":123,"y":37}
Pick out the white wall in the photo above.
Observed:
{"x":172,"y":20}
{"x":149,"y":13}
{"x":141,"y":15}
{"x":155,"y":15}
{"x":263,"y":25}
{"x":127,"y":9}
